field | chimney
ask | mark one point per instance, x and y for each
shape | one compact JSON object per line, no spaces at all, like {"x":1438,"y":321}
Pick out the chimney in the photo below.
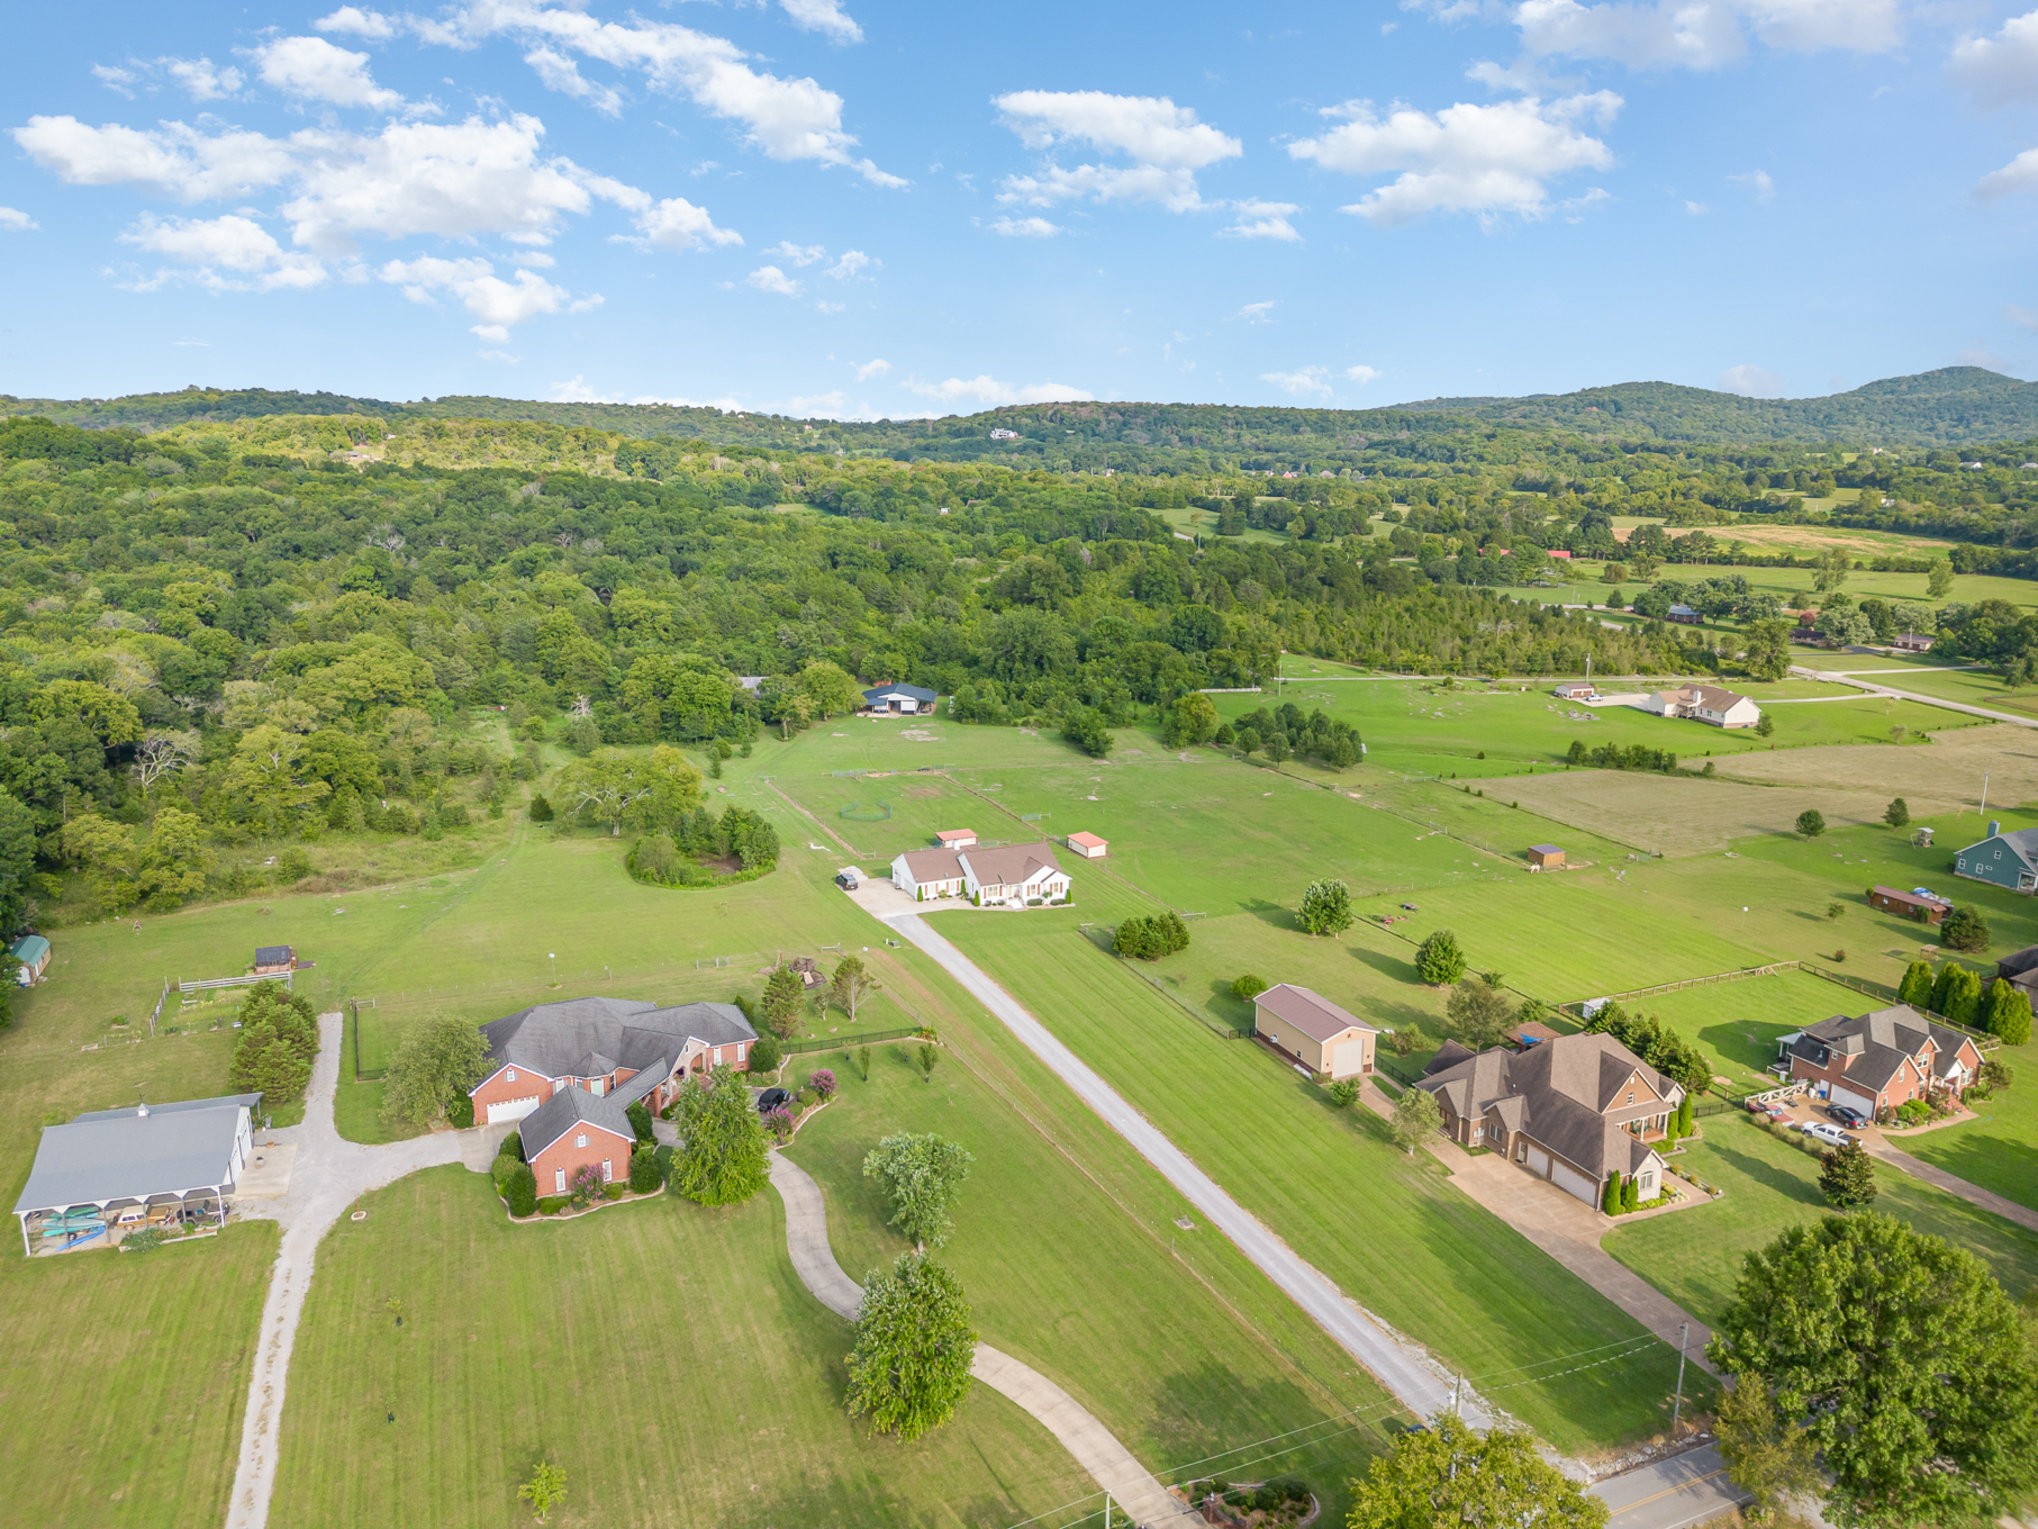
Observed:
{"x":1994,"y":827}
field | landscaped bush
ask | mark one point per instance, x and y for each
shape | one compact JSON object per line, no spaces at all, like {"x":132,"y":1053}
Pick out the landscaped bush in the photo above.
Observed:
{"x":520,"y":1190}
{"x":644,"y":1174}
{"x":766,"y":1053}
{"x":512,"y":1147}
{"x":551,"y":1205}
{"x":460,"y":1112}
{"x":822,"y":1082}
{"x":1344,"y":1093}
{"x":585,"y":1186}
{"x":1248,"y":987}
{"x":1913,"y":1112}
{"x":780,"y":1123}
{"x":804,"y":1098}
{"x":640,"y":1120}
{"x":614,"y":1191}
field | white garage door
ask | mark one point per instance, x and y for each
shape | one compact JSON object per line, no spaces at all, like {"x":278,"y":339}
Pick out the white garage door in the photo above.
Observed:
{"x":1538,"y":1160}
{"x":1574,"y":1182}
{"x":511,"y":1109}
{"x":1347,"y":1059}
{"x":1865,"y":1103}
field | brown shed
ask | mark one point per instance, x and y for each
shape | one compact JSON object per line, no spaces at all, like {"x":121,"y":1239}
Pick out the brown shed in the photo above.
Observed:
{"x":1545,"y":857}
{"x":1926,"y":910}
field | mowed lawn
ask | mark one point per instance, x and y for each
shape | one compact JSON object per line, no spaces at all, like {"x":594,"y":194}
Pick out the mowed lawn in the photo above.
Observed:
{"x":1086,"y":1286}
{"x":1998,"y":1149}
{"x":666,"y":1356}
{"x":126,"y":1380}
{"x":1695,"y":1257}
{"x":1387,"y":1227}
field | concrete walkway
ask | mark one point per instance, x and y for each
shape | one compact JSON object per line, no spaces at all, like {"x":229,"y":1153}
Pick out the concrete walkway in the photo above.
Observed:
{"x":327,"y":1175}
{"x":1407,"y":1372}
{"x":1133,"y":1488}
{"x":1880,"y":1147}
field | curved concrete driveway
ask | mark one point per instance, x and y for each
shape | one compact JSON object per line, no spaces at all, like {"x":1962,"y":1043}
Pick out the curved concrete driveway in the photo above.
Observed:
{"x":329,"y":1175}
{"x":1111,"y":1465}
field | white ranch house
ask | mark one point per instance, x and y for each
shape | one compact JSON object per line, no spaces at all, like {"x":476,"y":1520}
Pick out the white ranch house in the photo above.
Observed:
{"x":1710,"y":704}
{"x":1017,"y":874}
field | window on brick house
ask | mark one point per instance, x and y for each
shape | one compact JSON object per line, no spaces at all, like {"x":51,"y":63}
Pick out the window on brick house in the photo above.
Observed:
{"x":580,"y":1140}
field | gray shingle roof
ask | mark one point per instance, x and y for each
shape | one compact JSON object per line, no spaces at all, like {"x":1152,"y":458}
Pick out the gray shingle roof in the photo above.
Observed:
{"x":580,"y":1037}
{"x":567,"y":1109}
{"x":124,"y":1155}
{"x":1878,"y":1040}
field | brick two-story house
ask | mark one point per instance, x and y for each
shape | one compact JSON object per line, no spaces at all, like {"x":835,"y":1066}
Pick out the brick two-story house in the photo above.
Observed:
{"x":568,"y":1071}
{"x":1575,"y":1110}
{"x":1880,"y":1061}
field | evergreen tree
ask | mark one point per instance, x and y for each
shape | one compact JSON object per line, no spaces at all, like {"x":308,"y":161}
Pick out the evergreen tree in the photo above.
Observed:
{"x":784,"y":997}
{"x":1964,"y":929}
{"x":1897,"y":814}
{"x":1326,"y":908}
{"x":721,"y":1157}
{"x":2008,"y":1013}
{"x":1438,"y":960}
{"x":1847,"y":1177}
{"x":1916,"y":987}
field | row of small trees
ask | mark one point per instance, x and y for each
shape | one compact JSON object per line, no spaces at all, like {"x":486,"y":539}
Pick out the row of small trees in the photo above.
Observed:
{"x":1148,"y":937}
{"x":1956,"y":992}
{"x":277,"y":1044}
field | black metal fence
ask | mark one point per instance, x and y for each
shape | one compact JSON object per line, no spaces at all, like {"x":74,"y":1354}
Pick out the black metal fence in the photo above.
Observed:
{"x":847,"y":1042}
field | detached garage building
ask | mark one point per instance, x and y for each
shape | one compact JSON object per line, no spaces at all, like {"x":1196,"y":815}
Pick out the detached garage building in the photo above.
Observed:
{"x":1314,"y":1031}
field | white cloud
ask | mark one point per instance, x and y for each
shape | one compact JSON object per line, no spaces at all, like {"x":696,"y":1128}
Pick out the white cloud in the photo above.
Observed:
{"x":202,"y":79}
{"x":988,"y":391}
{"x":14,"y":221}
{"x":849,"y":265}
{"x":2020,"y":174}
{"x":828,"y":405}
{"x":1704,"y":34}
{"x":2003,"y":69}
{"x":877,"y":366}
{"x":677,"y":224}
{"x":1363,"y":374}
{"x":769,"y":278}
{"x":1761,"y":182}
{"x":787,"y":119}
{"x":556,"y":71}
{"x":229,"y":253}
{"x":1024,"y":228}
{"x":824,"y":16}
{"x":1164,"y":142}
{"x":1487,"y":160}
{"x":1697,"y":209}
{"x":457,"y":180}
{"x":798,"y":254}
{"x":115,"y":78}
{"x":824,"y":306}
{"x":312,"y":69}
{"x":1257,"y":313}
{"x":472,"y":282}
{"x":1751,"y":381}
{"x":356,"y":22}
{"x":173,"y":158}
{"x":2023,"y":318}
{"x":1253,"y":219}
{"x":1303,"y":382}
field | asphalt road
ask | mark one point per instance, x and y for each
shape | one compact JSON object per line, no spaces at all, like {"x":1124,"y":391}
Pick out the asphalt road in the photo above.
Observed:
{"x":1911,"y":695}
{"x":1673,"y":1493}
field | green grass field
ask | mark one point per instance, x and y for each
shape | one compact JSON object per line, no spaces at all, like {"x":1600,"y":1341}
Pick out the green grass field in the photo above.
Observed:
{"x":1428,"y":1259}
{"x":1695,"y":1257}
{"x":1998,"y":1149}
{"x":666,"y":1356}
{"x":1182,"y":1369}
{"x":126,"y":1379}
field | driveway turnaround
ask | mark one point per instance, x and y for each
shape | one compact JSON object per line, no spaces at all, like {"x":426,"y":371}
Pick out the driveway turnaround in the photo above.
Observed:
{"x":1409,"y":1374}
{"x":1133,"y":1488}
{"x":326,"y":1175}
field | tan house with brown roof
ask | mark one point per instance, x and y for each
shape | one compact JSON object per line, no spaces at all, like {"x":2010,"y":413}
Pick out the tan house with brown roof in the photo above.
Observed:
{"x":1574,"y":1110}
{"x":1305,"y":1025}
{"x":1017,"y":875}
{"x":1710,"y":704}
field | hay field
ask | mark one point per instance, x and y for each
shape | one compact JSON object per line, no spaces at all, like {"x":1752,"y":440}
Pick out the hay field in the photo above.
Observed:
{"x":1939,"y":777}
{"x":1688,"y":815}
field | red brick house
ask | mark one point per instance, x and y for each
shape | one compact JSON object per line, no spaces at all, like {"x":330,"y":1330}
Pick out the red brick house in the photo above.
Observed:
{"x":1880,"y":1061}
{"x":575,"y":1128}
{"x":618,"y":1050}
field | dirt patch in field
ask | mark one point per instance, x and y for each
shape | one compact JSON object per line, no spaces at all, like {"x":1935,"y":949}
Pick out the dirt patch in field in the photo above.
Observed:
{"x":1933,"y":777}
{"x":1687,"y":815}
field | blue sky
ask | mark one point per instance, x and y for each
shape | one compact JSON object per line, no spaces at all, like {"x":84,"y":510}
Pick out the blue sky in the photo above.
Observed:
{"x":856,"y":208}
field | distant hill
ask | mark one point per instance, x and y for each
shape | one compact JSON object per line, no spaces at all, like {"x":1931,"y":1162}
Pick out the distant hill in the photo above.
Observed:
{"x":1954,"y":406}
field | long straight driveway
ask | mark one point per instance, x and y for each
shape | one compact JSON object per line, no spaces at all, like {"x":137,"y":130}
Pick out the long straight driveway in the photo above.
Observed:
{"x":1414,"y":1379}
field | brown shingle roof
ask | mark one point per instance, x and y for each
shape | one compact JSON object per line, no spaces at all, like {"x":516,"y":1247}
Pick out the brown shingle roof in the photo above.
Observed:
{"x":1009,"y":864}
{"x":934,"y":864}
{"x":1308,"y":1011}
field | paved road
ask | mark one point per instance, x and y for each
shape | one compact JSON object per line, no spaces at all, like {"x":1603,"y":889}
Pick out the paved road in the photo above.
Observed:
{"x":1409,"y":1374}
{"x":1880,"y":1146}
{"x":1133,"y":1488}
{"x":1894,"y":694}
{"x":1672,"y":1493}
{"x":327,"y":1176}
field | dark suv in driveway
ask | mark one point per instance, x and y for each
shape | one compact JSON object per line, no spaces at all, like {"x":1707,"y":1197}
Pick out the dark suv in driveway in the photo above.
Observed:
{"x":771,"y":1099}
{"x":1847,"y":1116}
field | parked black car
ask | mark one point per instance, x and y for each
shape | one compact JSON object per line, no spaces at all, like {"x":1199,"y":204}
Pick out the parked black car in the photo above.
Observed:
{"x":1847,"y":1116}
{"x":771,"y":1099}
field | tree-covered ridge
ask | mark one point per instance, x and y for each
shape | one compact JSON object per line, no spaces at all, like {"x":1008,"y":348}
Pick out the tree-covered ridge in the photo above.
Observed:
{"x":1955,"y":405}
{"x":208,"y":643}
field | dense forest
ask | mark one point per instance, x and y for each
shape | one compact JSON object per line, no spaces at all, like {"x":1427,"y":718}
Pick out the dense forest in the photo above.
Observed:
{"x":233,"y":624}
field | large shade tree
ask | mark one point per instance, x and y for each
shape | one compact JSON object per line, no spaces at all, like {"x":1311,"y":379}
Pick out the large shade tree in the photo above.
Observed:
{"x":1450,"y":1474}
{"x":921,"y":1174}
{"x":910,"y":1366}
{"x":1905,"y":1359}
{"x":722,"y":1146}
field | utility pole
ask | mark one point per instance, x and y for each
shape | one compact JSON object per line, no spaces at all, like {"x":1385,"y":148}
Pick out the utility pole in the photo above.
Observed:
{"x":1984,"y":793}
{"x":1457,"y":1388}
{"x":1677,"y":1407}
{"x":1107,"y":1510}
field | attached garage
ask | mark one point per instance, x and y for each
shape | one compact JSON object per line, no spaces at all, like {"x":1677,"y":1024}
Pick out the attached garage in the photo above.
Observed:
{"x":1572,"y":1182}
{"x":1538,"y":1161}
{"x":1855,"y":1098}
{"x":511,"y":1109}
